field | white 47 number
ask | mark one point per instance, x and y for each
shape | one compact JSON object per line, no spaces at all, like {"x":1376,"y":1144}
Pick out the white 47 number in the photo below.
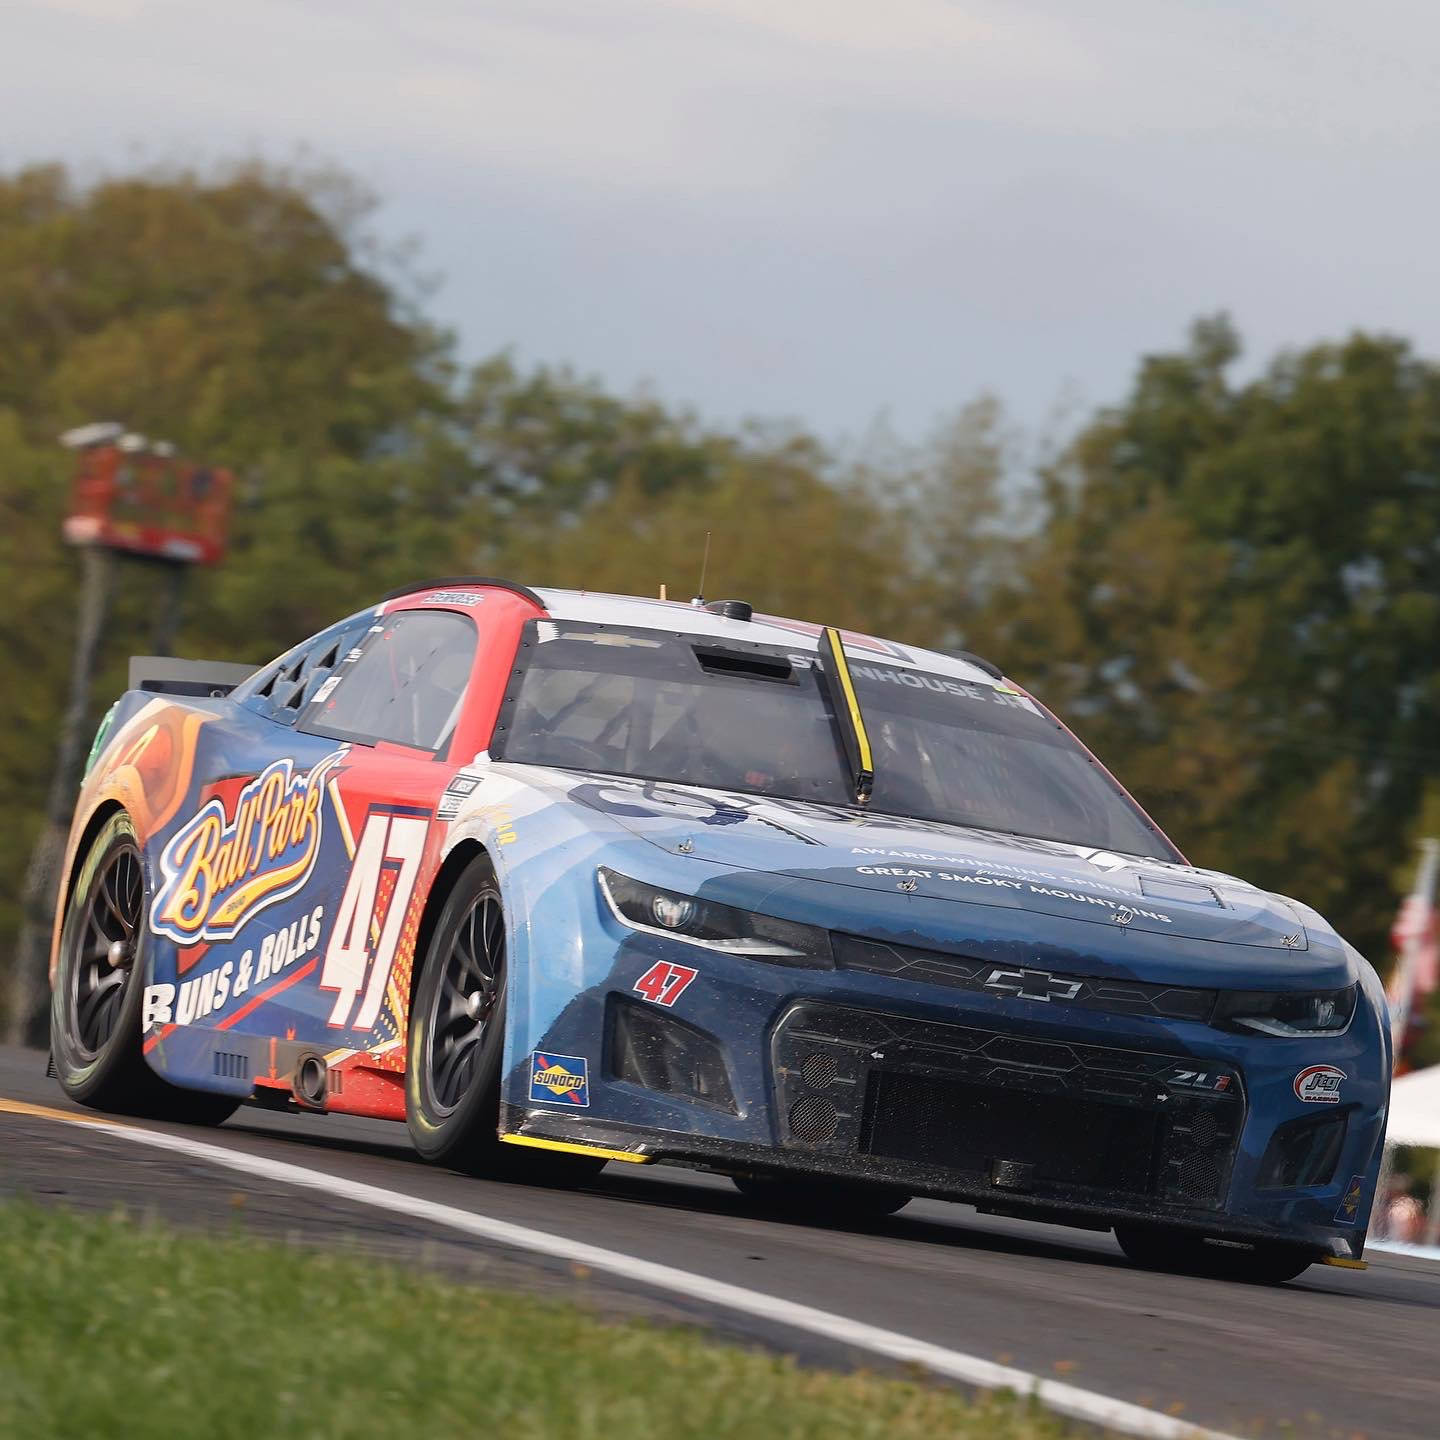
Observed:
{"x":387,"y":841}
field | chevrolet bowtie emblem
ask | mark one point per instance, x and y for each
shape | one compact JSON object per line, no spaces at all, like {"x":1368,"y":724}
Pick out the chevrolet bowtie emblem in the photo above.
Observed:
{"x":1033,"y":984}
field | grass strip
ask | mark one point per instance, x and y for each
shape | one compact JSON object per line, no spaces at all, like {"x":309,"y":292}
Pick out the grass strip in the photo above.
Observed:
{"x":113,"y":1327}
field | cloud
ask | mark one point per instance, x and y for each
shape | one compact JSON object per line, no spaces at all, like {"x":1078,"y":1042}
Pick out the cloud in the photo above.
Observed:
{"x":812,"y":207}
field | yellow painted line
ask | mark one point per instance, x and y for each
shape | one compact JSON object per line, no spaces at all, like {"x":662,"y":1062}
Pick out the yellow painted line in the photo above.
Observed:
{"x":1344,"y":1262}
{"x":46,"y":1112}
{"x":599,"y":1151}
{"x":842,"y":667}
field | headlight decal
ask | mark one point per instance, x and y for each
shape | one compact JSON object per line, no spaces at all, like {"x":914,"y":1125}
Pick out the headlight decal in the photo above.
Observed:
{"x":726,"y":928}
{"x":1286,"y":1014}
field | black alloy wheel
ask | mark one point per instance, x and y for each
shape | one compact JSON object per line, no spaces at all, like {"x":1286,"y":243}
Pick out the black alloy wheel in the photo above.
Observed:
{"x":95,"y":1006}
{"x":464,"y":1000}
{"x":104,"y":962}
{"x":1183,"y":1252}
{"x":456,"y":1042}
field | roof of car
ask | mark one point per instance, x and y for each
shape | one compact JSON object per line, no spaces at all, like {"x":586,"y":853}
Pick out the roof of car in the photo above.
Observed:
{"x":598,"y":607}
{"x":636,"y":611}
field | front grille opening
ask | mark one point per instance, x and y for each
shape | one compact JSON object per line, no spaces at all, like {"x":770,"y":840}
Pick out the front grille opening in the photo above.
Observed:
{"x":955,"y":1125}
{"x":1303,"y":1152}
{"x":653,"y":1049}
{"x":1013,"y":974}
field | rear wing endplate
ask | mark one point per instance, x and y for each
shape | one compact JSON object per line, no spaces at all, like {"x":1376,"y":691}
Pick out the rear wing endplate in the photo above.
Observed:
{"x":165,"y":675}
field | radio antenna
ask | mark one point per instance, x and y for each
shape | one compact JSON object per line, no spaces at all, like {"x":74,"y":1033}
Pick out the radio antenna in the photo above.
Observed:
{"x":699,"y":599}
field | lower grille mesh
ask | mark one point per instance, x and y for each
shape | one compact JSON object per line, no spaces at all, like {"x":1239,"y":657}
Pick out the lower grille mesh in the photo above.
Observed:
{"x":1066,"y":1140}
{"x":1071,"y":1120}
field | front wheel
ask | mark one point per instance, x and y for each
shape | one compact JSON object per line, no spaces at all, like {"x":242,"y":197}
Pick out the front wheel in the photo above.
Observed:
{"x":95,"y":1038}
{"x":842,"y":1200}
{"x":1180,"y":1251}
{"x":456,"y":1043}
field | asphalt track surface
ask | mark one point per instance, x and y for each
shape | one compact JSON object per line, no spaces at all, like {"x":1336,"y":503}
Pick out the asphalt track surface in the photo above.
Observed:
{"x":1334,"y":1353}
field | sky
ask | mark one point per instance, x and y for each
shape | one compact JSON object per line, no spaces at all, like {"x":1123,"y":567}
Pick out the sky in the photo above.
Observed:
{"x":815,"y":210}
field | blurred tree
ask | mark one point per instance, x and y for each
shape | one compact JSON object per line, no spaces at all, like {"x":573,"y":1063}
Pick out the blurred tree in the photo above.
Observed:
{"x":549,"y":444}
{"x":1232,"y":589}
{"x":241,"y":315}
{"x":782,"y":538}
{"x":230,"y":314}
{"x":1237,"y":590}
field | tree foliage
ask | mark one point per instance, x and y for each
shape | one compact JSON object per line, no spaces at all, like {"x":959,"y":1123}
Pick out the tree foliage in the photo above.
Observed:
{"x":1232,"y":589}
{"x":1237,"y":589}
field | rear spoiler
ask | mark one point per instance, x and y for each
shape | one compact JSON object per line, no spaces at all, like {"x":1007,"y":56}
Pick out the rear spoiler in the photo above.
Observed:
{"x":165,"y":675}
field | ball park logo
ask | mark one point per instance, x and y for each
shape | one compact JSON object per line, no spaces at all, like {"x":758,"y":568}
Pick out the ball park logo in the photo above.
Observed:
{"x":220,"y":870}
{"x":559,"y":1079}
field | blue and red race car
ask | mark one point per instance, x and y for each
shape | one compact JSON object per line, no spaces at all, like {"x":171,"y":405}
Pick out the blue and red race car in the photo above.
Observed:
{"x":563,"y":879}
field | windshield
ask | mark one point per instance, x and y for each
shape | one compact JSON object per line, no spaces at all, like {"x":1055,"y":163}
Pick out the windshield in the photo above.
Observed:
{"x":664,"y":706}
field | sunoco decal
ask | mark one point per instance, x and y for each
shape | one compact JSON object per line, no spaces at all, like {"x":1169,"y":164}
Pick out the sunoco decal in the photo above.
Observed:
{"x":1350,"y":1201}
{"x":1319,"y":1084}
{"x":559,"y":1079}
{"x":219,"y":871}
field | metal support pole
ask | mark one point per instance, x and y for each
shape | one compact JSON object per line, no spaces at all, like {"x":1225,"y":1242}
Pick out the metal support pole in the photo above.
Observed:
{"x":30,"y":989}
{"x":167,"y":611}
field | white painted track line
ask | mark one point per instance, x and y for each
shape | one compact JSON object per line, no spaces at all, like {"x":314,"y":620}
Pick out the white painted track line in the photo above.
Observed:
{"x":1067,"y":1400}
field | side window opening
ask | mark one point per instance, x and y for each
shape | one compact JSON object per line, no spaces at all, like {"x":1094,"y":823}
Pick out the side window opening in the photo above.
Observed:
{"x":407,"y":686}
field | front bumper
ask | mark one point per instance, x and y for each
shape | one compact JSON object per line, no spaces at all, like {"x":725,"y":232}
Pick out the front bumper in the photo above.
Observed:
{"x":1015,"y":1105}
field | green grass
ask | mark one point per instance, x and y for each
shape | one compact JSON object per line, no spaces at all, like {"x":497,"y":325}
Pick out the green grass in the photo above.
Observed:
{"x":111,"y":1327}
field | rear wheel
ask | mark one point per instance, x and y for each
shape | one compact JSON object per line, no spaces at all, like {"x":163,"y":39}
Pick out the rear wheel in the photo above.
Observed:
{"x":821,"y":1199}
{"x":95,"y":1037}
{"x":456,"y":1039}
{"x":1184,"y":1253}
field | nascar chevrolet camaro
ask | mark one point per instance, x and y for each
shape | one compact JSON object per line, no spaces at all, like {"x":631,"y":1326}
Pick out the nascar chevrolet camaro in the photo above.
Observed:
{"x":561,"y":879}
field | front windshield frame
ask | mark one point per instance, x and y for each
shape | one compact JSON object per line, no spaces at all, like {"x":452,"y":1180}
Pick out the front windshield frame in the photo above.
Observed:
{"x":1057,"y":737}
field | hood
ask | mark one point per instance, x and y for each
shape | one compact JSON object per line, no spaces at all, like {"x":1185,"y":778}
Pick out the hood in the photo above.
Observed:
{"x":926,"y":859}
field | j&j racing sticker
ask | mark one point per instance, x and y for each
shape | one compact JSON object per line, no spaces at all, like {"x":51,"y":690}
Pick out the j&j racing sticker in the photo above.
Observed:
{"x":1319,"y":1084}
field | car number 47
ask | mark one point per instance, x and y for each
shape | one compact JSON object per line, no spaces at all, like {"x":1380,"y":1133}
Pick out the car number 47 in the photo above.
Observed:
{"x":362,"y":942}
{"x":664,"y":983}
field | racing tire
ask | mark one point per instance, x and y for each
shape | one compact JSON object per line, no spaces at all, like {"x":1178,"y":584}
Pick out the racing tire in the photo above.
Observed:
{"x":1181,"y":1252}
{"x":95,"y":1003}
{"x":456,"y":1041}
{"x":842,"y":1200}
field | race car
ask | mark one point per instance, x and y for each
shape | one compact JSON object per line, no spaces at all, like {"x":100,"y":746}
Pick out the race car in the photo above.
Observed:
{"x":561,"y":879}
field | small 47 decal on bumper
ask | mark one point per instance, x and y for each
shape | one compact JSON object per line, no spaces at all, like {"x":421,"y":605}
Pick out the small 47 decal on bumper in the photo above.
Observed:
{"x":664,"y":983}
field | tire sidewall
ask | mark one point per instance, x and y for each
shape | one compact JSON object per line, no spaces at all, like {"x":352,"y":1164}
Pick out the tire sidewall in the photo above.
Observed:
{"x":469,"y":1131}
{"x":119,"y":1061}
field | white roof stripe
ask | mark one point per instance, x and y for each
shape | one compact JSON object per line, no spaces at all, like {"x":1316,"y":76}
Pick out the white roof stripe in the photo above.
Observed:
{"x":637,"y":612}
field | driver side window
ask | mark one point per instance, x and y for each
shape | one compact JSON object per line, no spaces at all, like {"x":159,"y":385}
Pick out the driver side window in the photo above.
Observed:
{"x":406,"y":687}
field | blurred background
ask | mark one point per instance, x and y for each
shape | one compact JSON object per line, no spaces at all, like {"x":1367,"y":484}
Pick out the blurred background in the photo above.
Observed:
{"x":1099,"y":345}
